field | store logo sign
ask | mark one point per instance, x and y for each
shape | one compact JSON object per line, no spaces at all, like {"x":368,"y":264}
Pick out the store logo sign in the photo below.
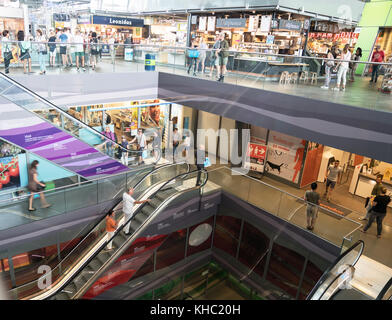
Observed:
{"x":117,"y":21}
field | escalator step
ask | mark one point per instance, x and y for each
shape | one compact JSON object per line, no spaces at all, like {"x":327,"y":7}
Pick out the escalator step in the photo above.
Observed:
{"x":135,"y":225}
{"x":79,"y":281}
{"x":61,"y":296}
{"x":118,"y":241}
{"x":162,"y":195}
{"x":103,"y":257}
{"x":147,"y":210}
{"x":95,"y":264}
{"x":141,"y":217}
{"x":155,"y":203}
{"x":70,"y":289}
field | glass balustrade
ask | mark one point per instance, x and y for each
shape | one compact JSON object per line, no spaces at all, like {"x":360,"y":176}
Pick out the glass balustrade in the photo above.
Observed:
{"x":289,"y":74}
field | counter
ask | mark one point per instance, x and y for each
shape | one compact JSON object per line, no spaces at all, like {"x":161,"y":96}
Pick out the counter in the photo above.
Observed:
{"x":366,"y":183}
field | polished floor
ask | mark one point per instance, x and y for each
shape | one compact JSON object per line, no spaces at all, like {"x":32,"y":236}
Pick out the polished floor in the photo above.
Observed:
{"x":360,"y":93}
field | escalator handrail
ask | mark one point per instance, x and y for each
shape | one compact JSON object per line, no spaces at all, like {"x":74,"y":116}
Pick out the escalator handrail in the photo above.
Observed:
{"x":384,"y":290}
{"x":332,"y":282}
{"x":326,"y":273}
{"x":100,"y":220}
{"x":118,"y":230}
{"x":53,"y":106}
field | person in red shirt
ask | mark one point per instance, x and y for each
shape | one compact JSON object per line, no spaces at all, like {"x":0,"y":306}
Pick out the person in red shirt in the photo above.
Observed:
{"x":378,"y":56}
{"x":111,"y":226}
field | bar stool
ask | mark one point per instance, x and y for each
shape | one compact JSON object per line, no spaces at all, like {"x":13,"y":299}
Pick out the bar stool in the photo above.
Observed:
{"x":283,"y":77}
{"x":313,"y":77}
{"x":294,"y":77}
{"x":304,"y":76}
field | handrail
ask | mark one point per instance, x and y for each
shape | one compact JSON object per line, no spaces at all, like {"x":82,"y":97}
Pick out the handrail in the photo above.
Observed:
{"x":58,"y":109}
{"x":384,"y":290}
{"x":118,"y":230}
{"x":130,"y":45}
{"x":333,"y":265}
{"x":291,"y":195}
{"x":100,"y":220}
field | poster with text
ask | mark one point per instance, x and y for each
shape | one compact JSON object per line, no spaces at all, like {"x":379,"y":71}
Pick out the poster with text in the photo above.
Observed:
{"x":285,"y":156}
{"x":255,"y":157}
{"x":211,"y":23}
{"x":202,"y":23}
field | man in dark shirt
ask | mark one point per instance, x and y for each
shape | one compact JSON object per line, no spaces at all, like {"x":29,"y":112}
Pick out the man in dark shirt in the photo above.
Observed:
{"x":375,"y":192}
{"x":200,"y":158}
{"x":378,"y":211}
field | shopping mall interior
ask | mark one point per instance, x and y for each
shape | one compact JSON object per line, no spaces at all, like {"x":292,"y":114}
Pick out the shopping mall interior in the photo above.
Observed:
{"x":126,"y":99}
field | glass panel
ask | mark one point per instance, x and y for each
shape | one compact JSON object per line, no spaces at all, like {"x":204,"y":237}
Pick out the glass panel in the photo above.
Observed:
{"x":170,"y":291}
{"x":172,"y":250}
{"x":5,"y":273}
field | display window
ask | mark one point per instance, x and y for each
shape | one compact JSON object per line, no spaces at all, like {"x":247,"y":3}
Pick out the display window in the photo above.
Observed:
{"x":319,"y":42}
{"x":9,"y":166}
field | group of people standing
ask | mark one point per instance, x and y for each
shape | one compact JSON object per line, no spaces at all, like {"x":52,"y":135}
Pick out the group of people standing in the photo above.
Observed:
{"x":376,"y":205}
{"x":218,"y":57}
{"x":56,"y":41}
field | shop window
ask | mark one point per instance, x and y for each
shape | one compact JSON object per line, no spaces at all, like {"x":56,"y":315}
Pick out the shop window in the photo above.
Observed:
{"x":9,"y":166}
{"x":285,"y":269}
{"x":200,"y":237}
{"x":172,"y":250}
{"x":254,"y":245}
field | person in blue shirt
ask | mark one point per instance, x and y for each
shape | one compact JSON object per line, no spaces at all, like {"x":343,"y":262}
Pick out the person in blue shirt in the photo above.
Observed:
{"x":63,"y":48}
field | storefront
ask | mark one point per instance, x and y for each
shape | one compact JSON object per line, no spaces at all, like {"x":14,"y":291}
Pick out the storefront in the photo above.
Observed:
{"x":115,"y":29}
{"x":12,"y":18}
{"x":327,"y":34}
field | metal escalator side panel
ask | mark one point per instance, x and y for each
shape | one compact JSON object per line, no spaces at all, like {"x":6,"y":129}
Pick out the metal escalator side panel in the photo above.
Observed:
{"x":386,"y":291}
{"x":136,"y":233}
{"x":349,"y":257}
{"x":36,"y":133}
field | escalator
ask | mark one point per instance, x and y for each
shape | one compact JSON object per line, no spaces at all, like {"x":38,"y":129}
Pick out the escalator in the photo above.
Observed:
{"x":386,"y":292}
{"x":148,"y":179}
{"x":335,"y":282}
{"x":37,"y":125}
{"x":91,"y":269}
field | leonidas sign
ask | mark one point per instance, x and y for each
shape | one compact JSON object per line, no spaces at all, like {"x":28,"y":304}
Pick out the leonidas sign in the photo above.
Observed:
{"x":118,"y":21}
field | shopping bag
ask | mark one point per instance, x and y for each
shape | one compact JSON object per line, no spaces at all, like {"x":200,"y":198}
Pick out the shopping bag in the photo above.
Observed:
{"x":193,"y":54}
{"x":144,"y":154}
{"x":207,"y":163}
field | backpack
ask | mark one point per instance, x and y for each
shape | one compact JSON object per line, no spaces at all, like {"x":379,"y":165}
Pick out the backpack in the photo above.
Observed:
{"x":94,"y":45}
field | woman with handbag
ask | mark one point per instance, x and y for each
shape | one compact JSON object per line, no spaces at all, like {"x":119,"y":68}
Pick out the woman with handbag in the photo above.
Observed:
{"x":193,"y":54}
{"x":24,"y":47}
{"x":35,"y":186}
{"x":6,"y":50}
{"x":42,"y":51}
{"x":329,"y":64}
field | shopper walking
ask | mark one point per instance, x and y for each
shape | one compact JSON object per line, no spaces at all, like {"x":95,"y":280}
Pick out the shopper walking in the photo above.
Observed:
{"x":6,"y":50}
{"x":329,"y":64}
{"x":223,"y":56}
{"x":353,"y":66}
{"x":378,"y":56}
{"x":193,"y":55}
{"x":42,"y":51}
{"x":128,"y":203}
{"x":176,"y":141}
{"x":140,"y":138}
{"x":52,"y":49}
{"x":111,"y":226}
{"x":156,"y":144}
{"x":109,"y":143}
{"x":94,"y":50}
{"x":343,"y":68}
{"x":69,"y":41}
{"x":203,"y":54}
{"x":25,"y":47}
{"x":200,"y":158}
{"x":63,"y":48}
{"x":376,"y":191}
{"x":124,"y":153}
{"x":214,"y":59}
{"x":79,"y":50}
{"x":312,"y":197}
{"x":35,"y":186}
{"x":332,"y":178}
{"x":378,"y":212}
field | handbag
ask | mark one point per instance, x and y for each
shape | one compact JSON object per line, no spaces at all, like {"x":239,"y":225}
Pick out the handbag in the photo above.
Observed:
{"x":40,"y":188}
{"x":207,"y":163}
{"x":193,"y":53}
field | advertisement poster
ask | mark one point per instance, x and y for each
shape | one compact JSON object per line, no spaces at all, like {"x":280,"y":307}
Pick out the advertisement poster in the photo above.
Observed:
{"x":285,"y":156}
{"x":202,"y":23}
{"x":151,"y":117}
{"x":253,"y":23}
{"x":9,"y":173}
{"x":211,"y":23}
{"x":265,"y":24}
{"x":255,"y":157}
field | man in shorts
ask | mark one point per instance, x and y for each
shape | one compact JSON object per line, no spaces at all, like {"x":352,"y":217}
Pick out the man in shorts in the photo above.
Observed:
{"x":332,"y":177}
{"x":313,"y":199}
{"x":223,"y":56}
{"x":79,"y":49}
{"x":69,"y":40}
{"x":63,"y":47}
